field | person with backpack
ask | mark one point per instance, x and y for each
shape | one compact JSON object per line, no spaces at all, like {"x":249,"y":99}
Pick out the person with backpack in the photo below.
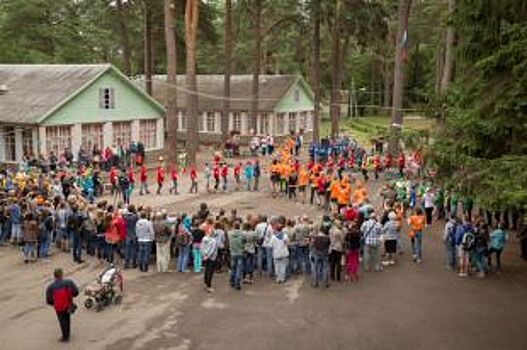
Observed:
{"x":417,"y":224}
{"x":464,"y":244}
{"x":449,"y":239}
{"x":130,"y":243}
{"x":183,"y":241}
{"x":162,"y":239}
{"x":480,"y":247}
{"x":371,"y":236}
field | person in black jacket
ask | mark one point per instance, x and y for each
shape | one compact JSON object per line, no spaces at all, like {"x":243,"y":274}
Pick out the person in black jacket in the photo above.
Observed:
{"x":60,"y":294}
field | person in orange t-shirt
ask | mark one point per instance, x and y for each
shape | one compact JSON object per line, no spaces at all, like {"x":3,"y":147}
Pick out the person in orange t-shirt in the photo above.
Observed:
{"x":303,"y":182}
{"x":344,"y":195}
{"x":417,"y":224}
{"x":334,"y":190}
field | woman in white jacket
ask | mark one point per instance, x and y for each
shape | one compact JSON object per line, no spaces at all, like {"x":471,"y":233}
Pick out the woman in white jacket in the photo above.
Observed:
{"x":278,"y":244}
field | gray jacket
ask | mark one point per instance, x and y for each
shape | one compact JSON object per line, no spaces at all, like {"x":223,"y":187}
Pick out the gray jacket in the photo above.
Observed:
{"x":144,"y":229}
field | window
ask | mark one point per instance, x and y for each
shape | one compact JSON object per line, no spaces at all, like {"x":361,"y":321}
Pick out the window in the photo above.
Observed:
{"x":280,"y":124}
{"x":182,"y":121}
{"x":148,"y":133}
{"x":211,"y":122}
{"x":92,"y":137}
{"x":292,"y":122}
{"x":27,"y":142}
{"x":297,"y":95}
{"x":10,"y":148}
{"x":122,"y":133}
{"x":201,"y":122}
{"x":303,"y":121}
{"x":58,"y":138}
{"x":264,"y":123}
{"x":237,"y":122}
{"x":106,"y":98}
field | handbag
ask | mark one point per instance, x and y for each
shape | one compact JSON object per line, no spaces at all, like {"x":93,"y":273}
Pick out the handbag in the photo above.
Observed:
{"x":72,"y":308}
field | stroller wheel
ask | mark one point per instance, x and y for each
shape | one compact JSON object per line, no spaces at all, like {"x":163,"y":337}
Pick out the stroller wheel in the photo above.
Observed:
{"x":99,"y":307}
{"x":118,"y":299}
{"x":88,"y":303}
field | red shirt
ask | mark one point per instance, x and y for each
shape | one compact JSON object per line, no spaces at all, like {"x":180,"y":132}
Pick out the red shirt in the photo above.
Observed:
{"x":350,"y":214}
{"x":173,"y":173}
{"x":224,"y":171}
{"x":401,"y":161}
{"x":142,"y":173}
{"x":341,"y":163}
{"x":237,"y":170}
{"x":388,"y":160}
{"x":131,"y":176}
{"x":113,"y":175}
{"x":193,"y":174}
{"x":160,"y":174}
{"x":377,"y":161}
{"x":216,"y":172}
{"x":321,"y":184}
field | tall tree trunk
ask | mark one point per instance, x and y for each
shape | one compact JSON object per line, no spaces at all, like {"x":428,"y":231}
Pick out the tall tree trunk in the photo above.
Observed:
{"x":121,"y":17}
{"x":227,"y":72}
{"x":148,"y":47}
{"x":257,"y":56}
{"x":388,"y":82}
{"x":448,"y":66}
{"x":440,"y":62}
{"x":191,"y":27}
{"x":171,"y":144}
{"x":398,"y":75}
{"x":335,"y":76}
{"x":316,"y":69}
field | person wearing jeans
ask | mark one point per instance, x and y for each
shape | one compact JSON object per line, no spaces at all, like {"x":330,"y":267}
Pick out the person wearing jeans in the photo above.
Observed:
{"x":236,"y":247}
{"x":30,"y":237}
{"x":417,"y":224}
{"x":497,"y":243}
{"x":279,"y":243}
{"x":145,"y":236}
{"x":319,"y":258}
{"x":209,"y":253}
{"x":371,"y":233}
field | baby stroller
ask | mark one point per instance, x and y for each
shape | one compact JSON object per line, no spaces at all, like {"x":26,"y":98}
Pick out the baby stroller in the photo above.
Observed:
{"x":107,"y":289}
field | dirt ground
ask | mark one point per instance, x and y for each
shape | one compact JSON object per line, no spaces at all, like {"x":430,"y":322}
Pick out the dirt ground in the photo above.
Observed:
{"x":403,"y":307}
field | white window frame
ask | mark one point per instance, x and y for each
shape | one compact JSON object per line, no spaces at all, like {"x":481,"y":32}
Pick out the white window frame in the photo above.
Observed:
{"x":58,"y":138}
{"x":291,"y":117}
{"x":264,"y":123}
{"x":92,"y":134}
{"x":122,"y":135}
{"x":107,"y":98}
{"x":210,"y":122}
{"x":9,"y":143}
{"x":148,"y":133}
{"x":237,"y":122}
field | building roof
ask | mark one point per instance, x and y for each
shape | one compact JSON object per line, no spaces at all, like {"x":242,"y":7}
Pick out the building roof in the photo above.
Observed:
{"x":29,"y":93}
{"x":210,"y":91}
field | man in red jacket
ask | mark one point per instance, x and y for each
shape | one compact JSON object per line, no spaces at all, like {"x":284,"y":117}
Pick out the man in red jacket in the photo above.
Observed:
{"x":60,"y":294}
{"x":193,"y":180}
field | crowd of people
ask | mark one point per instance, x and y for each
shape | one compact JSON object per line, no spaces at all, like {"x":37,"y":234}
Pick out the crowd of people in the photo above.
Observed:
{"x":42,"y":210}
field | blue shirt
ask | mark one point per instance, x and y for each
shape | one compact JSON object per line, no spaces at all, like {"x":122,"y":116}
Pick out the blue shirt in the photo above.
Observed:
{"x":497,"y":239}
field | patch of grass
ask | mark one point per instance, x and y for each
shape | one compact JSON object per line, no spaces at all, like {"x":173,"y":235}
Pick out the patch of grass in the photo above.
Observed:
{"x":364,"y":129}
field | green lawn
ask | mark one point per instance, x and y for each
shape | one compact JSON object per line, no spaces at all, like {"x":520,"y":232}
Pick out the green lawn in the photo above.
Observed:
{"x":364,"y":129}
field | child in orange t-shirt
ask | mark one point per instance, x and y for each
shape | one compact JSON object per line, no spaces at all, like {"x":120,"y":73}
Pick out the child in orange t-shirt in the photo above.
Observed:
{"x":417,"y":225}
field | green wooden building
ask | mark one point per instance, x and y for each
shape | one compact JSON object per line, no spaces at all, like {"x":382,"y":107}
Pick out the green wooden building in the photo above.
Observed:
{"x":48,"y":108}
{"x":286,"y":104}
